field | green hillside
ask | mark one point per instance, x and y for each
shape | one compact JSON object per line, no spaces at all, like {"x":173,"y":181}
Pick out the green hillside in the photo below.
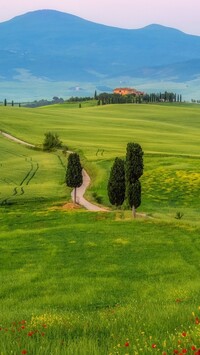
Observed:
{"x":97,"y":283}
{"x":168,"y":134}
{"x":169,"y":129}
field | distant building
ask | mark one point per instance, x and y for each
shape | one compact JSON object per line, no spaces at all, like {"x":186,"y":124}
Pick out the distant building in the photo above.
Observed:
{"x":128,"y":91}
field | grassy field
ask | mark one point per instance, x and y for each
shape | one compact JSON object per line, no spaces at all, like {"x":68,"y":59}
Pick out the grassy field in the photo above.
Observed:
{"x":76,"y":282}
{"x":165,"y":129}
{"x":88,"y":283}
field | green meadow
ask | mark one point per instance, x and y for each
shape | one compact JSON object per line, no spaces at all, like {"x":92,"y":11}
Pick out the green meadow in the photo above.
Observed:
{"x":79,"y":282}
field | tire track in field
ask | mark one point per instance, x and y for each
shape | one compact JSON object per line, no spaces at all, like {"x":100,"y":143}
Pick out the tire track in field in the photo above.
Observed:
{"x":19,"y":189}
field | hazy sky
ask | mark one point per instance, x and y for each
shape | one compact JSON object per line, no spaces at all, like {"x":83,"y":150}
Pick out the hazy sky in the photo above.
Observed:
{"x":180,"y":14}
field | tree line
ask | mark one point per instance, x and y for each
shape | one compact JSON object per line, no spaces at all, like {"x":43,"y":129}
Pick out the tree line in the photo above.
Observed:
{"x":105,"y":99}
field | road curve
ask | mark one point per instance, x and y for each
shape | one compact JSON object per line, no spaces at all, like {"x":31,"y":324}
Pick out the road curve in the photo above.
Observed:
{"x":79,"y":191}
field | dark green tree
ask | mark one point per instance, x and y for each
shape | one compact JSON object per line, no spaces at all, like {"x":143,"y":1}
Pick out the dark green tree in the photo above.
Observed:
{"x":134,"y":162}
{"x":116,"y":183}
{"x":74,"y":176}
{"x":134,"y":195}
{"x":5,"y":102}
{"x":133,"y":171}
{"x":51,"y":141}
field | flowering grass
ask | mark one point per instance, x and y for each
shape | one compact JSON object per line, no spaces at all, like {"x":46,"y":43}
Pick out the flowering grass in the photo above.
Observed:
{"x":56,"y":335}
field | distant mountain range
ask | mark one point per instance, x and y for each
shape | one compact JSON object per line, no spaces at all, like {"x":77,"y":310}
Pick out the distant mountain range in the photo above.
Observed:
{"x":50,"y":46}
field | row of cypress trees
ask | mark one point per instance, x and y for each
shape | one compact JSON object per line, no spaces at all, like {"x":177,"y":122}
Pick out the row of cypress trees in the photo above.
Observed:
{"x":124,"y":178}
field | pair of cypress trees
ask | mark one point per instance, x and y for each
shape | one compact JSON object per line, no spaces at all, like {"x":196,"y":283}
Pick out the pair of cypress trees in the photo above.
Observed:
{"x":124,"y":178}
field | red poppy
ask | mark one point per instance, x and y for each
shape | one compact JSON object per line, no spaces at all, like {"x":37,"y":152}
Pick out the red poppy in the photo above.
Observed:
{"x":153,"y":346}
{"x":24,"y":352}
{"x":126,"y":344}
{"x":23,"y":327}
{"x":197,"y":321}
{"x":184,"y":334}
{"x":44,"y":325}
{"x":30,"y":334}
{"x":42,"y":334}
{"x":175,"y":351}
{"x":184,"y":351}
{"x":193,"y":348}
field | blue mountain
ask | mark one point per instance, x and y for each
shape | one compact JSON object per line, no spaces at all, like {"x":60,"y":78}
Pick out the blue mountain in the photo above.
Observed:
{"x":59,"y":46}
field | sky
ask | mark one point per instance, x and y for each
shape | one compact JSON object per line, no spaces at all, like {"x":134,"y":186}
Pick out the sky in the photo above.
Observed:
{"x":181,"y":14}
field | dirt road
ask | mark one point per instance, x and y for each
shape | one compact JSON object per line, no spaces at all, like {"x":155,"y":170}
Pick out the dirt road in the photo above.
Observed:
{"x":80,"y":191}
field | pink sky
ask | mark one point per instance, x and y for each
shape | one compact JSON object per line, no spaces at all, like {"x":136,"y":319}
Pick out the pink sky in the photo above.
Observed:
{"x":180,"y":14}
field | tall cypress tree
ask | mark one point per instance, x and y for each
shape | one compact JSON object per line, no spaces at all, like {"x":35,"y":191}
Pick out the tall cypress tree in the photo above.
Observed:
{"x":133,"y":171}
{"x":74,"y":176}
{"x":116,"y":183}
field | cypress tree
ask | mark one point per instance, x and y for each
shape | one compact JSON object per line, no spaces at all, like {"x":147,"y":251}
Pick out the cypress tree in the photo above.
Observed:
{"x":116,"y":183}
{"x":134,"y":195}
{"x":133,"y":171}
{"x":74,"y":176}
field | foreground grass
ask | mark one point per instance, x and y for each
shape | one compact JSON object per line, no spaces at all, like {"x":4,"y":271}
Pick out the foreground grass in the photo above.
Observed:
{"x":89,"y":283}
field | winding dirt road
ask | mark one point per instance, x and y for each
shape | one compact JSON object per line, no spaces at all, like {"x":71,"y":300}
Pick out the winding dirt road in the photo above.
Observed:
{"x":79,"y":191}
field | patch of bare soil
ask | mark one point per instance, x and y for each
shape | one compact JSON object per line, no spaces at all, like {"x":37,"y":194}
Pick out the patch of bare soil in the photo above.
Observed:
{"x":70,"y":206}
{"x":67,"y":206}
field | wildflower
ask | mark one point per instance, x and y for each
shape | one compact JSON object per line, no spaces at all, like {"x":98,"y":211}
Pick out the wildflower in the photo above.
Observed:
{"x":24,"y":352}
{"x":197,"y":321}
{"x":42,"y":334}
{"x":153,"y":346}
{"x":184,"y":351}
{"x":126,"y":344}
{"x":30,"y":334}
{"x":193,"y":348}
{"x":22,"y":327}
{"x":184,"y":334}
{"x":175,"y":351}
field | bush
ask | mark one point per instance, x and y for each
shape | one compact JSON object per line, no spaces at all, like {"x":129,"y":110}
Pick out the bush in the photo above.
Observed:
{"x":51,"y":141}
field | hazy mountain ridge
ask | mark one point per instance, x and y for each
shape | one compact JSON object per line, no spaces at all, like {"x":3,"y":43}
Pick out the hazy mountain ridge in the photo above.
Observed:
{"x":55,"y":46}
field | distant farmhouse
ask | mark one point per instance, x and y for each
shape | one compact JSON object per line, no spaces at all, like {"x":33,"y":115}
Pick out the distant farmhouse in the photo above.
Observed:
{"x":128,"y":91}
